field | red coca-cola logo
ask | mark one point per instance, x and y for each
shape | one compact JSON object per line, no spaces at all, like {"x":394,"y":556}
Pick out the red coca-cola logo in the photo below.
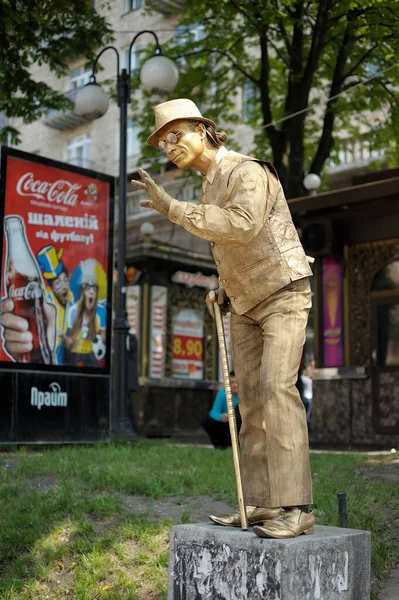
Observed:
{"x":31,"y":291}
{"x":58,"y":192}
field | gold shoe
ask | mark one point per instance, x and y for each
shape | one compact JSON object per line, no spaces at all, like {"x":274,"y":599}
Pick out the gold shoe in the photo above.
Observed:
{"x":255,"y":514}
{"x":290,"y":524}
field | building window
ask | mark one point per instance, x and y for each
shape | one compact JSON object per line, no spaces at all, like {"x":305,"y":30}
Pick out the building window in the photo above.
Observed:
{"x":387,"y":279}
{"x":194,"y":33}
{"x":248,"y":100}
{"x":78,"y":151}
{"x":342,"y":158}
{"x":7,"y":122}
{"x":385,"y":309}
{"x":79,"y":77}
{"x":133,"y":5}
{"x":134,"y":59}
{"x":133,"y":142}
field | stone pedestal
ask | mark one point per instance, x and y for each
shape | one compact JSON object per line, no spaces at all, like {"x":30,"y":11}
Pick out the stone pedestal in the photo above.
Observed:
{"x":209,"y":562}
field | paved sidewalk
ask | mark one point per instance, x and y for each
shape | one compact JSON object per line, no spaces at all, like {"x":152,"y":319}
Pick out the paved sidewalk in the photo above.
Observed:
{"x":390,"y":591}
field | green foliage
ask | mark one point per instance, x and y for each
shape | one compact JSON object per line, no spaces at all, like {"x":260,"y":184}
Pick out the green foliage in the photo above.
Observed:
{"x":295,"y":55}
{"x":36,"y":33}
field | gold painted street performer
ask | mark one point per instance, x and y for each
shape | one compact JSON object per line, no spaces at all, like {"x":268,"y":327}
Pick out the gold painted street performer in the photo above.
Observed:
{"x":263,"y":275}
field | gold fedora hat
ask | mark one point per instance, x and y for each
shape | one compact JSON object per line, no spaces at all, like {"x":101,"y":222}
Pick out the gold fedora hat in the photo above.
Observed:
{"x":174,"y":110}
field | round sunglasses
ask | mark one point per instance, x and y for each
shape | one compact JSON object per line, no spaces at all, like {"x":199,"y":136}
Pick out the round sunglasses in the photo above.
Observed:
{"x":171,"y":138}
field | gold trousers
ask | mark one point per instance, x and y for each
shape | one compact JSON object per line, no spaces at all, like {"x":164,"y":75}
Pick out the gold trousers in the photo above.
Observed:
{"x":267,"y":344}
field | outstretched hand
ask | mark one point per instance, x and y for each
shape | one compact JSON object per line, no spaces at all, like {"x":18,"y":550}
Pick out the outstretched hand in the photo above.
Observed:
{"x":160,"y":200}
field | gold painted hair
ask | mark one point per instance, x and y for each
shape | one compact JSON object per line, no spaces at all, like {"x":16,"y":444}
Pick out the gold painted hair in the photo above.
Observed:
{"x":214,"y":137}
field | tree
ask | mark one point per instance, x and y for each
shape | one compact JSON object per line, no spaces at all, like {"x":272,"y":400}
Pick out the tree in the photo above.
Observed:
{"x":42,"y":32}
{"x":294,"y":55}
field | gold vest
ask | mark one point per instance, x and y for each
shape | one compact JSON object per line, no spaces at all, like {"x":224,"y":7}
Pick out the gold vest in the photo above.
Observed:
{"x":272,"y":259}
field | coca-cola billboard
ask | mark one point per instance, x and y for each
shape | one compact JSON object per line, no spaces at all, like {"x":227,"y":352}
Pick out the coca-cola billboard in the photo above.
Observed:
{"x":56,"y":253}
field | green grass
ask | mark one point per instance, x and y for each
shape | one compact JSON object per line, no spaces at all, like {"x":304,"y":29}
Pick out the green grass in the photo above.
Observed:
{"x":66,"y":533}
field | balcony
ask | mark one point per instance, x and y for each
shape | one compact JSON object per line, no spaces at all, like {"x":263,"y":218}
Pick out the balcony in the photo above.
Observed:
{"x":354,"y":155}
{"x":65,"y":119}
{"x":166,"y":7}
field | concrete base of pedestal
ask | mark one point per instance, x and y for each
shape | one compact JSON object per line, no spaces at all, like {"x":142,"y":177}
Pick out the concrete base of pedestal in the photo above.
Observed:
{"x":209,"y":562}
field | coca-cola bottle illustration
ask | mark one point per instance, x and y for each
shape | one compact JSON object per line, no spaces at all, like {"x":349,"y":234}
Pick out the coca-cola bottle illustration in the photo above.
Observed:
{"x":25,"y":288}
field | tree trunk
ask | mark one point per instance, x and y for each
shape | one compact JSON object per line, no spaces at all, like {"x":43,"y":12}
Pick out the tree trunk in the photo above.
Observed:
{"x":326,"y":142}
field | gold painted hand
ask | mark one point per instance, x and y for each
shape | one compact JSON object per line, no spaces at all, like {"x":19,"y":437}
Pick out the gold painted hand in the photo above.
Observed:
{"x":160,"y":200}
{"x":221,"y":298}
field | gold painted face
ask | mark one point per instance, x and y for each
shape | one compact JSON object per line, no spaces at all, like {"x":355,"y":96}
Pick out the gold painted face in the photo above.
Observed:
{"x":183,"y":145}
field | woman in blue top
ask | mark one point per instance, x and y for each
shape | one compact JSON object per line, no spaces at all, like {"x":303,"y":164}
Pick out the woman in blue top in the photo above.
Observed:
{"x":216,"y":423}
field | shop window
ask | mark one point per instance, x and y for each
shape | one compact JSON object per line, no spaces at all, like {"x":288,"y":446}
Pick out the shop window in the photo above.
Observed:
{"x":388,"y":335}
{"x":385,"y":301}
{"x":387,"y":279}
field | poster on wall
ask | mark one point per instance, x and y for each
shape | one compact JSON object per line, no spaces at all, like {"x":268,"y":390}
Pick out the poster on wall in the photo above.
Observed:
{"x":159,"y":297}
{"x":133,"y":296}
{"x":188,"y":344}
{"x":56,"y":254}
{"x":332,"y":312}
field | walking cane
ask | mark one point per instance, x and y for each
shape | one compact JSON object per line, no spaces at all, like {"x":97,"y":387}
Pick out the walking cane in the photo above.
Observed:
{"x":230,"y":410}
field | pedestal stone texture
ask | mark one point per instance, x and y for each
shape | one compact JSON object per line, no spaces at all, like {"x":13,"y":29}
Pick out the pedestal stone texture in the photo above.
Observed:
{"x":209,"y":562}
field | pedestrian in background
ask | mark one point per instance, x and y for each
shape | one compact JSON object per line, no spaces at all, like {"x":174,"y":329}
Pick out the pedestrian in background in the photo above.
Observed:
{"x":216,"y":423}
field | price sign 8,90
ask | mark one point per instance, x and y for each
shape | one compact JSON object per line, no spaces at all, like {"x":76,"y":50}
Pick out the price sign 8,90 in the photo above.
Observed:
{"x":187,"y":347}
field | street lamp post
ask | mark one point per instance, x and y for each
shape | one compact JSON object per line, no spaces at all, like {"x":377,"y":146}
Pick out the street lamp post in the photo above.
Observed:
{"x":159,"y":74}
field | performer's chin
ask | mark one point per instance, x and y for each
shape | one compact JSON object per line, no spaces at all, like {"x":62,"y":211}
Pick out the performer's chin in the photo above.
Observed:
{"x":178,"y":158}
